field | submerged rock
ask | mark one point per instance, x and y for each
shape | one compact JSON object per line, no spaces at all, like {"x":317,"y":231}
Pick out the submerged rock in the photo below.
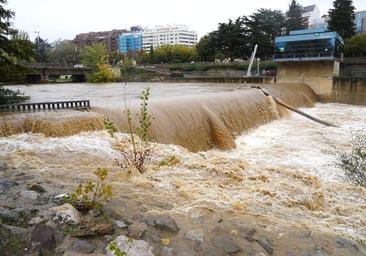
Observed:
{"x":37,"y":188}
{"x":226,"y":243}
{"x":66,"y":214}
{"x":3,"y":166}
{"x":266,"y":244}
{"x":5,"y":185}
{"x":162,"y":222}
{"x":131,"y":247}
{"x":196,"y":235}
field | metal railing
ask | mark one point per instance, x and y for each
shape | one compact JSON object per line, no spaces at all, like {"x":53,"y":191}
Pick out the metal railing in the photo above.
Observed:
{"x":76,"y":104}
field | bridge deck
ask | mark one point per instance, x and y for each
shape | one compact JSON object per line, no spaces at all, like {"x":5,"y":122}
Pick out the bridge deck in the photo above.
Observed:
{"x":76,"y":104}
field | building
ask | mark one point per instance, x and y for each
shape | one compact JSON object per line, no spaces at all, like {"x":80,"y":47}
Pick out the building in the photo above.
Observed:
{"x":310,"y":57}
{"x":312,"y":17}
{"x":171,"y":35}
{"x":109,"y":38}
{"x":130,"y":42}
{"x":310,"y":44}
{"x":360,"y":21}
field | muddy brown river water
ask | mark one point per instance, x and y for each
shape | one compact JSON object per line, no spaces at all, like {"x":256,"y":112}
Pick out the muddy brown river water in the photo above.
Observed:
{"x":281,"y":178}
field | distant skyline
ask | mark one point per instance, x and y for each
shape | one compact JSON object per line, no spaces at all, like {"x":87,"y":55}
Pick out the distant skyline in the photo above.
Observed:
{"x":63,"y":19}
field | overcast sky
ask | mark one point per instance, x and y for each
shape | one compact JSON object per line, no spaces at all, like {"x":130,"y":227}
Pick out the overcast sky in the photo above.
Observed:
{"x":65,"y":18}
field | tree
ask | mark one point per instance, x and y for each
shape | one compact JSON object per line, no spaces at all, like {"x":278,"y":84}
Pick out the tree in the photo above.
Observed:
{"x":64,"y":53}
{"x":262,"y":28}
{"x":356,"y":46}
{"x":94,"y":55}
{"x":342,"y":18}
{"x":151,"y":55}
{"x":14,"y":48}
{"x":294,"y":19}
{"x":43,"y":49}
{"x":96,"y":58}
{"x":206,"y":48}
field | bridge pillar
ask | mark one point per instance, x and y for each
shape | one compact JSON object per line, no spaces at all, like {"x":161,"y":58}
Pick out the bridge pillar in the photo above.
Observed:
{"x":316,"y":74}
{"x":44,"y":77}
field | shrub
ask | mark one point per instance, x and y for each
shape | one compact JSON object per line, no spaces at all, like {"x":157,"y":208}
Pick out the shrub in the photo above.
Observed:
{"x":103,"y":74}
{"x":88,"y":196}
{"x":139,"y":155}
{"x":354,"y":163}
{"x":8,"y":96}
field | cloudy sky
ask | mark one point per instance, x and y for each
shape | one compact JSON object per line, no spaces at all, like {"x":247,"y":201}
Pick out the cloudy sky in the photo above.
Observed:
{"x":65,"y":18}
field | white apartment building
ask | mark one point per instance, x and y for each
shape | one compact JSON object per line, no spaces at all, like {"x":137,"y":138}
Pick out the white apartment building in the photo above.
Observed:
{"x":312,"y":16}
{"x":173,"y":35}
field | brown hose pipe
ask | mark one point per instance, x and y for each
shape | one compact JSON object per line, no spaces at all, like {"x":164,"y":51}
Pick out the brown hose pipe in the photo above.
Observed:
{"x":280,"y":102}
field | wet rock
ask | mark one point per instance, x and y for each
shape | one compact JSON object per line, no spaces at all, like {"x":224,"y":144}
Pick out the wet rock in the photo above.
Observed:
{"x":60,"y":199}
{"x":226,"y":243}
{"x":3,"y":166}
{"x":185,"y":254}
{"x":5,"y":185}
{"x":345,"y":243}
{"x":120,"y":223}
{"x":66,"y":214}
{"x":44,"y":236}
{"x":23,"y":177}
{"x":197,"y":215}
{"x":14,"y":230}
{"x":16,"y":216}
{"x":92,"y":227}
{"x":249,"y":235}
{"x":167,"y":251}
{"x":319,"y":251}
{"x":35,"y":221}
{"x":266,"y":244}
{"x":37,"y":188}
{"x":129,"y":246}
{"x":29,"y":195}
{"x":137,"y":230}
{"x":196,"y":235}
{"x":162,"y":222}
{"x":83,"y":246}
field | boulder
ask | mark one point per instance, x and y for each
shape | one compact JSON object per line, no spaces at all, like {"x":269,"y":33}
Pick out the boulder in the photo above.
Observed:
{"x":44,"y":236}
{"x":83,"y":246}
{"x":35,"y":221}
{"x":37,"y":188}
{"x":66,"y":214}
{"x":164,"y":222}
{"x":5,"y":185}
{"x":29,"y":195}
{"x":123,"y":244}
{"x":196,"y":235}
{"x":226,"y":243}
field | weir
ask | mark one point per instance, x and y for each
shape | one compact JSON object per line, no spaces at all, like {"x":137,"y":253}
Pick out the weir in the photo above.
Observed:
{"x":214,"y":120}
{"x":198,"y":123}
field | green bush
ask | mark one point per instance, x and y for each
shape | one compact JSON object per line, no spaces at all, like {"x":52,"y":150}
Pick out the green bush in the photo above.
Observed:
{"x":88,"y":195}
{"x":354,"y":162}
{"x":8,"y":96}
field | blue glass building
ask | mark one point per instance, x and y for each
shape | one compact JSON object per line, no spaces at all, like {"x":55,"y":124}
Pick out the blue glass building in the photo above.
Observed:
{"x":130,"y":42}
{"x":360,"y":19}
{"x":308,"y":45}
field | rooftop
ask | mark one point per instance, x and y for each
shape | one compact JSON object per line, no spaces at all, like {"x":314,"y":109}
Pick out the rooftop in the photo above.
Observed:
{"x":309,"y":8}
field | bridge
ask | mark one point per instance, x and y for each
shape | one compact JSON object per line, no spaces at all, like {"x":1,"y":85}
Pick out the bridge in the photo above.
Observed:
{"x":40,"y":72}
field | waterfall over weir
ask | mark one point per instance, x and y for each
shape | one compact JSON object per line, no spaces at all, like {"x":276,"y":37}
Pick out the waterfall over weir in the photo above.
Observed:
{"x":198,"y":122}
{"x":214,"y":120}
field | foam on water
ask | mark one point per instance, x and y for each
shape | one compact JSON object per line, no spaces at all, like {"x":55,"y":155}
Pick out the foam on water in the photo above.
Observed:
{"x":272,"y":175}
